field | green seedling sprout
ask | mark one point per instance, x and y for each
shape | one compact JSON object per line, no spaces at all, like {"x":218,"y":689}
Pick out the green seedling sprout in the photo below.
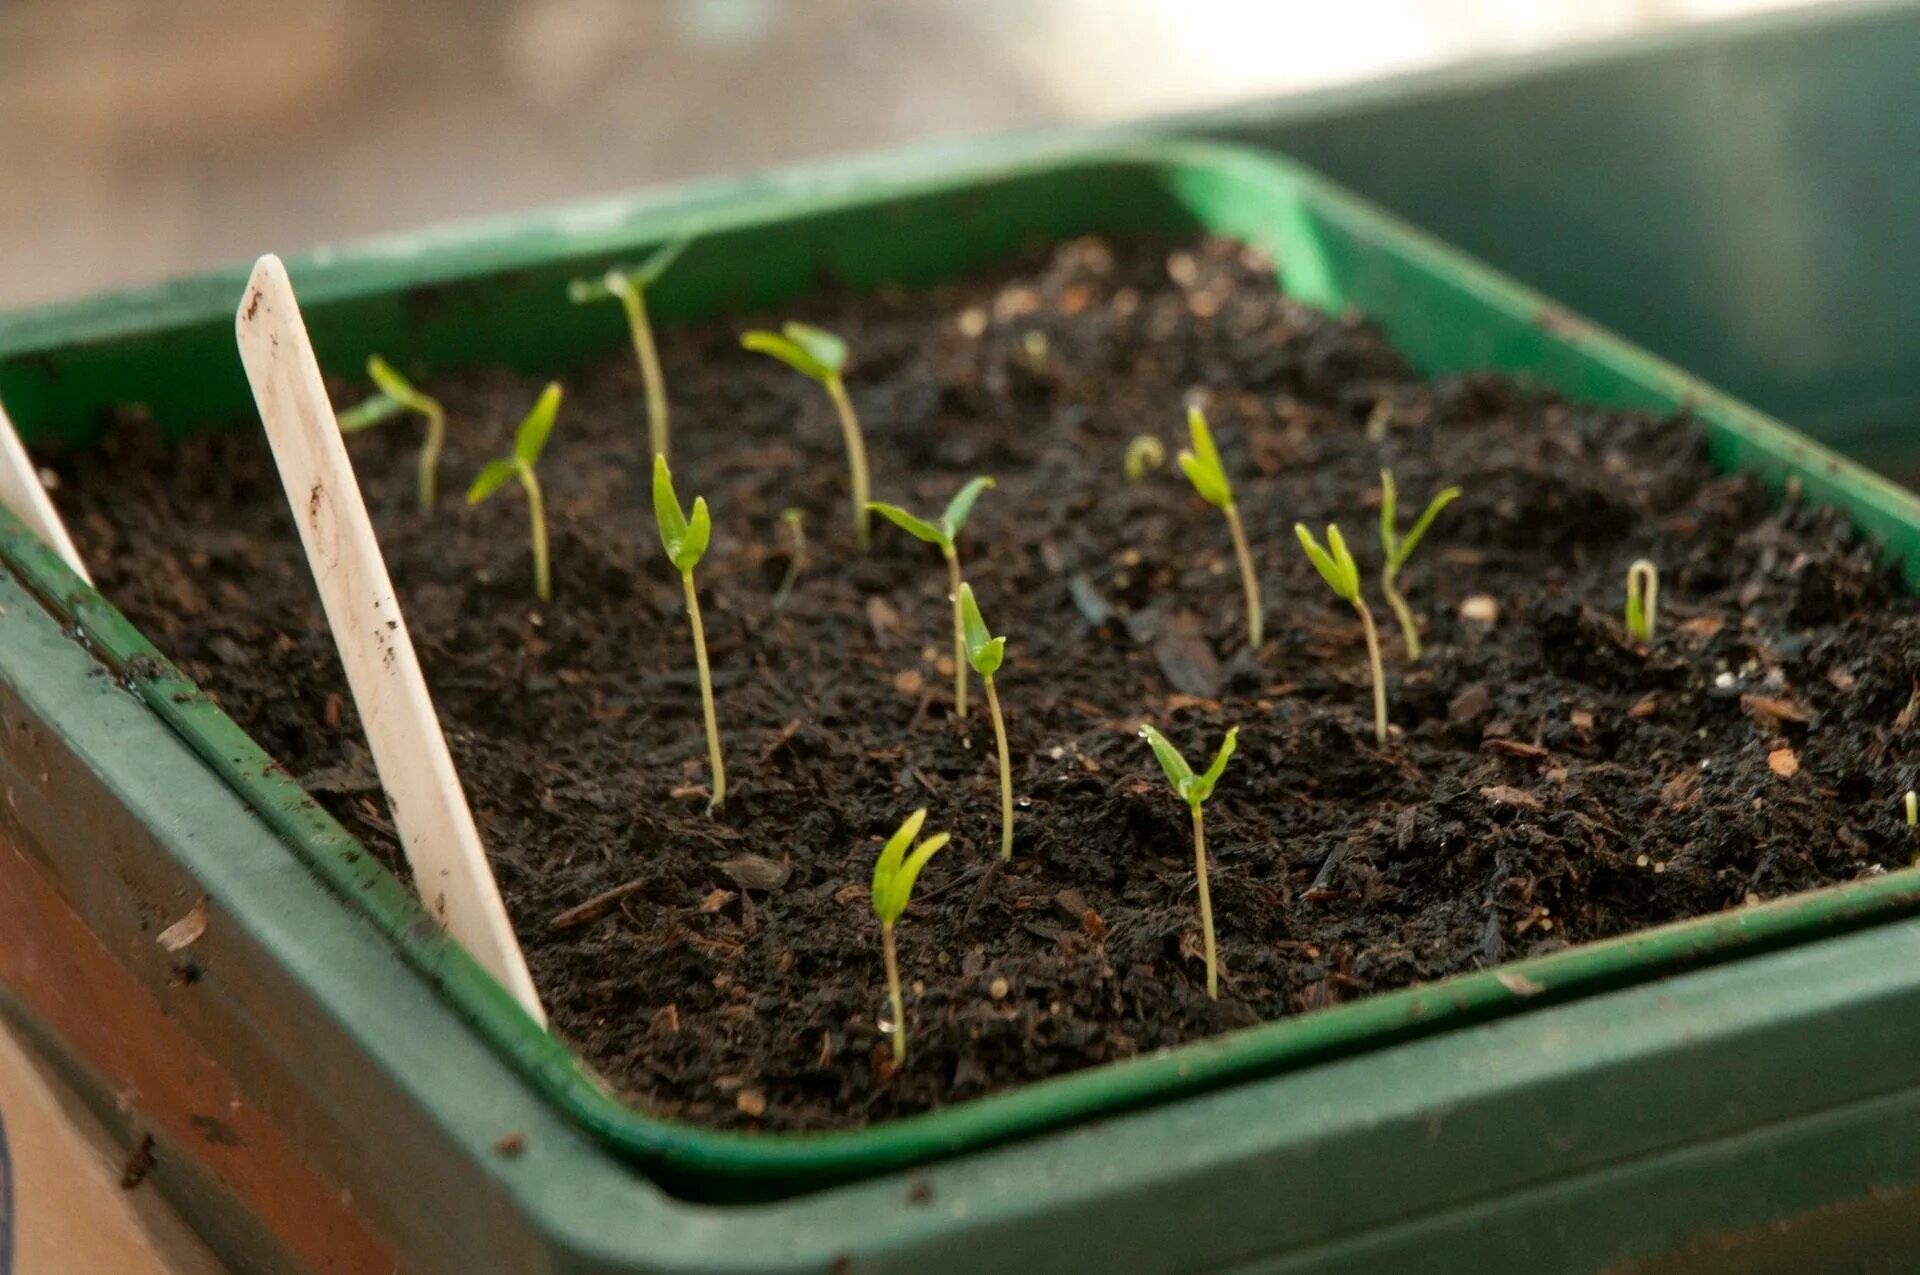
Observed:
{"x":986,"y":654}
{"x":1201,"y":464}
{"x":1913,"y":809}
{"x":397,"y":395}
{"x":629,"y":287}
{"x":796,"y":524}
{"x":1337,"y":567}
{"x":1144,"y":453}
{"x":822,"y":356}
{"x":1398,"y":549}
{"x":893,"y":876}
{"x":528,"y":442}
{"x":1194,"y":790}
{"x":1643,"y":599}
{"x":685,"y":539}
{"x":944,"y":533}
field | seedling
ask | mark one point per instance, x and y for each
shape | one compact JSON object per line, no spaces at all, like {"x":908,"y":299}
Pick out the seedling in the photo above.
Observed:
{"x":893,"y":876}
{"x":1913,"y":809}
{"x":986,"y":654}
{"x":528,"y":442}
{"x":397,"y":395}
{"x":1398,"y":550}
{"x":796,"y":524}
{"x":1144,"y":453}
{"x":1643,"y":599}
{"x":943,"y":533}
{"x":685,"y":540}
{"x":629,"y":287}
{"x":1194,"y":790}
{"x":1337,"y":567}
{"x":1201,"y":463}
{"x":822,"y":356}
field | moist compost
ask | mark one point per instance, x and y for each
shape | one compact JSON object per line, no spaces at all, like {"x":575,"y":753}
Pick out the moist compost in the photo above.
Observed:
{"x":1547,"y":781}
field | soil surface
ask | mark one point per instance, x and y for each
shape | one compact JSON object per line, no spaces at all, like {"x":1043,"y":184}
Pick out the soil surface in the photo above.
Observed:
{"x":1547,"y":781}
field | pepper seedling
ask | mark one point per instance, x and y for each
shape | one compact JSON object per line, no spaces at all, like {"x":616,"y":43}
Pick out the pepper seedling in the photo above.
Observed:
{"x":821,"y":356}
{"x":795,"y":521}
{"x":528,"y":442}
{"x":1337,"y":567}
{"x":1398,"y":549}
{"x":1201,"y":464}
{"x":986,"y":654}
{"x":893,"y":876}
{"x":1143,"y":453}
{"x":396,"y":395}
{"x":1643,"y":599}
{"x":944,"y":533}
{"x":685,"y":539}
{"x":629,"y":287}
{"x":1194,"y":790}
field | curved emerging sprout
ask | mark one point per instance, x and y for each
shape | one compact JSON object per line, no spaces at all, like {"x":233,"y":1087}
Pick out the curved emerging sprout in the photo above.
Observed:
{"x":796,"y":522}
{"x":1201,"y":464}
{"x":528,"y":442}
{"x":1337,"y":567}
{"x":685,"y":540}
{"x":1194,"y":790}
{"x":986,"y":654}
{"x":944,"y":533}
{"x":1643,"y":599}
{"x":1144,"y":453}
{"x":1398,"y":550}
{"x":629,"y":287}
{"x":821,"y":356}
{"x":397,"y":395}
{"x":893,"y":876}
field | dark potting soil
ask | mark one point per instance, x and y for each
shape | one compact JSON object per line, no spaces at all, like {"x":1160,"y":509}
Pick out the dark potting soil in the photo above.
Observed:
{"x":1547,"y":781}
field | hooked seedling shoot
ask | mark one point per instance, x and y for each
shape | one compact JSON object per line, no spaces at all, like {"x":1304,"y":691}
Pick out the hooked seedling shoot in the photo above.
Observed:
{"x":893,"y":876}
{"x":986,"y":654}
{"x":1337,"y":567}
{"x":796,"y":524}
{"x":1398,"y":550}
{"x":685,"y":540}
{"x":822,"y":356}
{"x":1643,"y":599}
{"x":397,"y":395}
{"x":944,"y":533}
{"x":1201,"y":463}
{"x":629,"y":288}
{"x":528,"y":442}
{"x":1144,"y":453}
{"x":1194,"y":790}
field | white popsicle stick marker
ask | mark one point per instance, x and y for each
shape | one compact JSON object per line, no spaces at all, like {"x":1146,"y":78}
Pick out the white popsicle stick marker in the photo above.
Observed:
{"x":27,"y":500}
{"x":429,"y":808}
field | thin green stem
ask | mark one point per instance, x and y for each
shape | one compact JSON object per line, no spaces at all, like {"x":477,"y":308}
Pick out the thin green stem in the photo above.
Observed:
{"x":537,"y":520}
{"x":1006,"y":772}
{"x":706,"y":693}
{"x":856,"y":456}
{"x":1206,"y":903}
{"x":1379,"y":671}
{"x":649,"y":358}
{"x":430,"y":455}
{"x":893,"y":991}
{"x":1249,"y":581}
{"x":959,"y":635}
{"x":1409,"y":630}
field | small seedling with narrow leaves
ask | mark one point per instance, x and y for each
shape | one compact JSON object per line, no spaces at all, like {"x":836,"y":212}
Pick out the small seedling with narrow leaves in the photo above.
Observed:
{"x":629,"y":287}
{"x":1398,"y":549}
{"x":1643,"y":600}
{"x":528,"y":442}
{"x":821,"y":356}
{"x":795,"y":521}
{"x":1194,"y":790}
{"x":1201,"y":464}
{"x":685,"y":539}
{"x":986,"y":654}
{"x":943,"y":532}
{"x":893,"y":876}
{"x":1143,"y":453}
{"x":1337,"y":567}
{"x":396,"y":395}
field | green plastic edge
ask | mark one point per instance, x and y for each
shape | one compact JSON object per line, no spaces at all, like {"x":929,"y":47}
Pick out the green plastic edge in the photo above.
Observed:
{"x":1243,"y":193}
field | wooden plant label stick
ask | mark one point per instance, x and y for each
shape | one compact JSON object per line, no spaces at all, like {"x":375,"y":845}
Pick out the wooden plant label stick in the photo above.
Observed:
{"x":27,"y":500}
{"x":429,"y":809}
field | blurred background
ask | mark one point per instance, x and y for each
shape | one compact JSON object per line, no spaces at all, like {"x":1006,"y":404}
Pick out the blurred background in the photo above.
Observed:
{"x":141,"y":140}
